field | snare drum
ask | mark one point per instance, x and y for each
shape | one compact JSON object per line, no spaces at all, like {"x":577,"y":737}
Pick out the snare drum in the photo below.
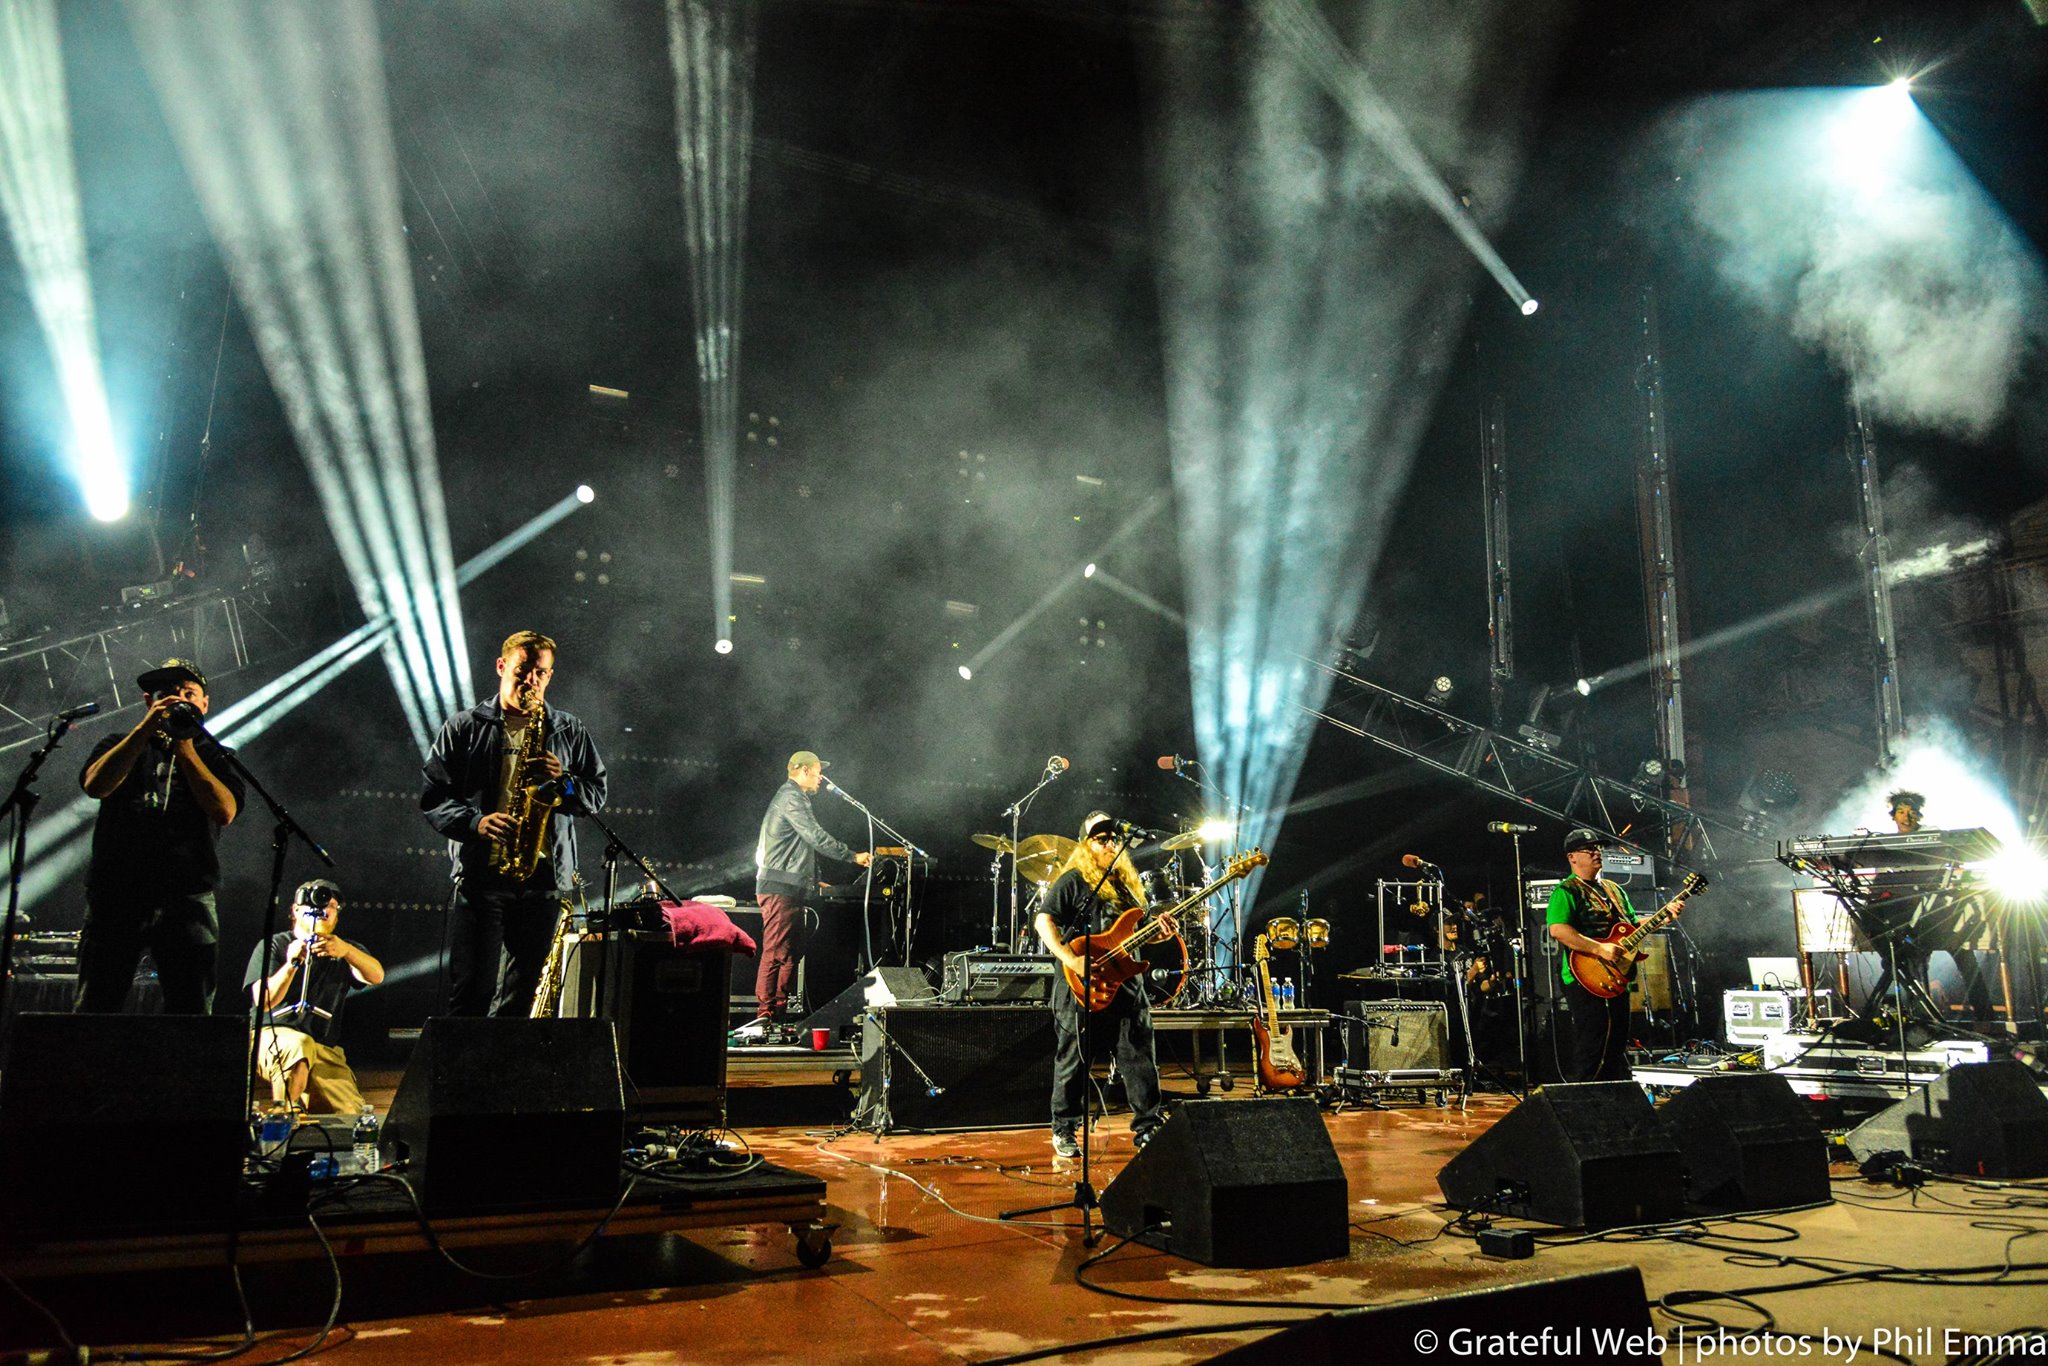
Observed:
{"x":1317,"y":934}
{"x":1284,"y":932}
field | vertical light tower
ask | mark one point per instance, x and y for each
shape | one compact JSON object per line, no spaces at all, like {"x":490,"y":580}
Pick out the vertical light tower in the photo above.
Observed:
{"x":1659,"y":549}
{"x":1875,"y":554}
{"x":1500,"y":608}
{"x":711,"y":46}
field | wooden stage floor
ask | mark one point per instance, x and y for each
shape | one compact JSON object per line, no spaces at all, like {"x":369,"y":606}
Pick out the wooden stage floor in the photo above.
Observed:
{"x":922,"y":1271}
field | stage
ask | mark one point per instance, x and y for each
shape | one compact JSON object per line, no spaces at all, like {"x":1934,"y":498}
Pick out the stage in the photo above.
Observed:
{"x":922,"y":1270}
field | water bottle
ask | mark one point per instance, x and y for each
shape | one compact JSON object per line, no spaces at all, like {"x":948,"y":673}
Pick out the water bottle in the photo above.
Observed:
{"x":276,"y":1126}
{"x":365,"y":1140}
{"x":1287,"y":993}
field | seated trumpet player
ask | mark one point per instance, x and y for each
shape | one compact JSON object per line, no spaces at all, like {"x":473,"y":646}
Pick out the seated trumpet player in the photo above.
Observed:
{"x":298,"y":1006}
{"x":502,"y":783}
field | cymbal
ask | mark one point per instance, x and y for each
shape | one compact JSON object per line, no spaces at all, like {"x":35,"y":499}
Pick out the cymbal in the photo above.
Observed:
{"x":1040,"y":856}
{"x":1000,"y":843}
{"x":1186,"y":839}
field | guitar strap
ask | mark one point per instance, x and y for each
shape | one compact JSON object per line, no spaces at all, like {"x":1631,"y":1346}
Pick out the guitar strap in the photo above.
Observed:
{"x":1608,"y":895}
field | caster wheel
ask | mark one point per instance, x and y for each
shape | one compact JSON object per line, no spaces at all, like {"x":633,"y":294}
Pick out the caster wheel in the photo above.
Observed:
{"x":1202,"y":1086}
{"x":814,"y":1247}
{"x":1227,"y":1082}
{"x":843,"y":1077}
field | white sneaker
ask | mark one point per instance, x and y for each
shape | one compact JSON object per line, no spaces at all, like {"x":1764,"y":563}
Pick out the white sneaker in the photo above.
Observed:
{"x":752,"y":1030}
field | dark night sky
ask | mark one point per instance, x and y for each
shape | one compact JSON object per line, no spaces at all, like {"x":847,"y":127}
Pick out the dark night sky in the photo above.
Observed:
{"x":997,"y":299}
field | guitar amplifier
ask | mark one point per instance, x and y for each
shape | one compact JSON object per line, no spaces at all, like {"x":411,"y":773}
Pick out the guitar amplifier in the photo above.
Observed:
{"x":978,"y":978}
{"x":1396,"y":1036}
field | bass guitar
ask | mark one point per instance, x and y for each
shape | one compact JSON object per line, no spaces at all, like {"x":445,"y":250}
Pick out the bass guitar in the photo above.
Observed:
{"x":1113,"y":955}
{"x":1608,"y":980}
{"x":1279,"y":1068}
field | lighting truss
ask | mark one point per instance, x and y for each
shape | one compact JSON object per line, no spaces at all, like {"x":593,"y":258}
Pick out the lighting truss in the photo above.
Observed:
{"x":39,"y":198}
{"x":1534,"y":779}
{"x":711,"y":46}
{"x":281,"y":115}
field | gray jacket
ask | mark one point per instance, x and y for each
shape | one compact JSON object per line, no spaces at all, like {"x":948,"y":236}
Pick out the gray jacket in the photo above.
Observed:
{"x":786,"y":858}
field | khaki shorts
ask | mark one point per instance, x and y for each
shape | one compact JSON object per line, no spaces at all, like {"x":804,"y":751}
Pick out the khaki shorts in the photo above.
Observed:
{"x":330,"y":1085}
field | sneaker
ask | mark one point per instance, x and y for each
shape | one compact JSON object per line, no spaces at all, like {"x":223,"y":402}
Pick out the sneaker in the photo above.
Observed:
{"x":1140,"y":1137}
{"x":1065,"y":1144}
{"x":753,"y":1031}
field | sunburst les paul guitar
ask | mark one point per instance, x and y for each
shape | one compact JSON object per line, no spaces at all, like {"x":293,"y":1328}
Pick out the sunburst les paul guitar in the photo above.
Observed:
{"x":1114,"y":954}
{"x":1608,"y":980}
{"x":1279,"y":1068}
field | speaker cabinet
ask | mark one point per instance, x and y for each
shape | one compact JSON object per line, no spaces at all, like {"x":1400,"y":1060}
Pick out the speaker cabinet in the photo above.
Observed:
{"x":1236,"y":1183}
{"x":669,"y":1006}
{"x":73,"y":1091}
{"x":1396,"y":1036}
{"x":1589,"y":1155}
{"x":505,"y":1114}
{"x":1594,"y":1316}
{"x":881,"y":987}
{"x":1978,"y":1119}
{"x":1747,"y":1143}
{"x":944,"y":1067}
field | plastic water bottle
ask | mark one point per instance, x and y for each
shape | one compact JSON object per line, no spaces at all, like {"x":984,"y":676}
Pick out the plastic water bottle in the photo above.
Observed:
{"x":276,"y":1126}
{"x":365,"y":1139}
{"x":1287,"y":993}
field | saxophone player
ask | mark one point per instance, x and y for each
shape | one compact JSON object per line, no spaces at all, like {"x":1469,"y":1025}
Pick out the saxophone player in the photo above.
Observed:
{"x":502,"y":784}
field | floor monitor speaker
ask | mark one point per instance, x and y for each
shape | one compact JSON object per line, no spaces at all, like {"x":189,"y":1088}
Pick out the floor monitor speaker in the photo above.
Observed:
{"x":1236,"y":1183}
{"x":1978,"y":1119}
{"x":77,"y":1091}
{"x":1608,"y":1320}
{"x":1589,"y":1155}
{"x":1747,"y":1143}
{"x":879,"y":987}
{"x":954,"y":1067}
{"x":507,"y":1114}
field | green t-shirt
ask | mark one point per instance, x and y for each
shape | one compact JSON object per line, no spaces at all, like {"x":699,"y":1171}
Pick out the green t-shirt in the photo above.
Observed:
{"x":1573,"y":903}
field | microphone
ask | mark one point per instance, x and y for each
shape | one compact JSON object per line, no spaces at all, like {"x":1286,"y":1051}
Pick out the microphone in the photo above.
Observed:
{"x":1057,"y":765}
{"x":1173,"y":763}
{"x":935,"y":1091}
{"x":1415,"y":861}
{"x":1509,"y":828}
{"x":73,"y":713}
{"x":1132,"y":832}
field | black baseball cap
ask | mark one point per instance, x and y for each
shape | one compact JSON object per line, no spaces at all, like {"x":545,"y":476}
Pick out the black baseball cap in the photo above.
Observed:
{"x":1097,"y":820}
{"x":169,"y":674}
{"x":1584,"y":838}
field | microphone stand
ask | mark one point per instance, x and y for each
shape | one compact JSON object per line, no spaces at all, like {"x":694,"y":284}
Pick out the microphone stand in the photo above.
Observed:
{"x":1519,"y":947}
{"x":613,"y":848}
{"x":1084,"y":1198}
{"x":912,"y":855}
{"x":22,"y":802}
{"x":1015,"y":811}
{"x":1238,"y":813}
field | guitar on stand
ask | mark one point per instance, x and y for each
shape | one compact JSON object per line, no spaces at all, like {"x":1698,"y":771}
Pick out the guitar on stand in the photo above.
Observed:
{"x":1279,"y":1068}
{"x":1608,"y":980}
{"x":1115,"y":954}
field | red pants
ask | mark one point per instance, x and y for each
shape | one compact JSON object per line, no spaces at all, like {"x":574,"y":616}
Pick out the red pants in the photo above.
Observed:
{"x":782,"y":919}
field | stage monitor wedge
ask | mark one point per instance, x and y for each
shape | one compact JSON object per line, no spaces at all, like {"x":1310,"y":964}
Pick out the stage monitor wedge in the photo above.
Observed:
{"x":1748,"y":1143}
{"x":1978,"y":1119}
{"x":500,"y":1115}
{"x":1248,"y":1183}
{"x":1589,"y":1155}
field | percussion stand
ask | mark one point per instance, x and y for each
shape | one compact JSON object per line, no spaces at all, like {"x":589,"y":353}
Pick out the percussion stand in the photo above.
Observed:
{"x":1015,"y":811}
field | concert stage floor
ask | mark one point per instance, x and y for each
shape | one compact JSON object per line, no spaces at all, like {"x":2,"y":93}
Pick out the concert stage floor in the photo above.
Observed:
{"x":921,"y":1271}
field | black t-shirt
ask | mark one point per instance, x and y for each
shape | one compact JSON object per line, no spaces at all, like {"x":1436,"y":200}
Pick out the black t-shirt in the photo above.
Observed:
{"x":151,"y":832}
{"x":1074,"y":911}
{"x":328,"y":990}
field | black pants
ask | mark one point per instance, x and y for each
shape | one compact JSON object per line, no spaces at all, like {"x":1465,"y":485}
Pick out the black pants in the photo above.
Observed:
{"x":498,"y":941}
{"x":181,"y":932}
{"x":1599,"y":1036}
{"x":1126,"y":1026}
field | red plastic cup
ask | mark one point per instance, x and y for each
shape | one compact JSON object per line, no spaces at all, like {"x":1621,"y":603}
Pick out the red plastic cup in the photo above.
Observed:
{"x":821,"y":1039}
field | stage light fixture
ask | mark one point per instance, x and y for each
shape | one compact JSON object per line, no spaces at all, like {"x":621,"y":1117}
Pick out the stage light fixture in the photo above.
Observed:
{"x":1537,"y":738}
{"x":1088,"y":572}
{"x":724,"y":646}
{"x":1529,"y":307}
{"x":585,"y":493}
{"x":1439,"y":690}
{"x":1217,"y":831}
{"x":1649,"y":773}
{"x":2019,"y":874}
{"x":966,"y":673}
{"x":45,"y":218}
{"x":1584,"y":687}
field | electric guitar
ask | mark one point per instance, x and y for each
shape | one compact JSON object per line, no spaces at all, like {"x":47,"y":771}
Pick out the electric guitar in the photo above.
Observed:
{"x":1113,"y":954}
{"x":1608,"y":980}
{"x":1279,"y":1068}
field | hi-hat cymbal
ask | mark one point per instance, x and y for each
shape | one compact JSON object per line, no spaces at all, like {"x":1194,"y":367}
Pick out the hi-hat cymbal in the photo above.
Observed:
{"x":1039,"y":857}
{"x":1186,"y":839}
{"x":1000,"y":843}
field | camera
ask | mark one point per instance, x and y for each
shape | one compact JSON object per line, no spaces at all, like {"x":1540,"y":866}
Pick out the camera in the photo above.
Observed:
{"x":182,"y":721}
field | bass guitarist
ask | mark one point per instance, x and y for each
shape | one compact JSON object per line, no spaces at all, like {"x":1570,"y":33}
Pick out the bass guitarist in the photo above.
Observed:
{"x":1097,"y":882}
{"x":1583,"y":909}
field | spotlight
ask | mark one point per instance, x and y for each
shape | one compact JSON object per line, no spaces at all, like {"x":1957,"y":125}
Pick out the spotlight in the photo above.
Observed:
{"x":1089,"y":572}
{"x":2019,"y":874}
{"x":1584,"y":687}
{"x":1217,"y":831}
{"x":724,"y":646}
{"x":966,"y":673}
{"x":1439,"y":690}
{"x":1528,"y":307}
{"x":1649,"y":773}
{"x":585,"y":493}
{"x":1535,"y":738}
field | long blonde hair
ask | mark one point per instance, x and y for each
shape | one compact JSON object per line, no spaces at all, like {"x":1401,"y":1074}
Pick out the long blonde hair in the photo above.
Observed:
{"x":1123,"y":874}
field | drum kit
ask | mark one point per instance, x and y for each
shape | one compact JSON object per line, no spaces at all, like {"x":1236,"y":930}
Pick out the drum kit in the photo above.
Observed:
{"x":1183,"y":971}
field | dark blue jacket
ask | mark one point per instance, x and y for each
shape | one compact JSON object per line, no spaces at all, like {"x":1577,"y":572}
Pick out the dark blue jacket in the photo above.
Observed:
{"x":462,"y":785}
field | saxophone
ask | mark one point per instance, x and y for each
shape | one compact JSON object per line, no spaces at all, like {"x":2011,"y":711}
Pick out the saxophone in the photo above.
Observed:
{"x":531,"y":804}
{"x":547,"y":993}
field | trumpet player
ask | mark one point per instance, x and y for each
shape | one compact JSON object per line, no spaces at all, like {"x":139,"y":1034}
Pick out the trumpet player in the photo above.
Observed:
{"x":502,"y":784}
{"x":165,"y":792}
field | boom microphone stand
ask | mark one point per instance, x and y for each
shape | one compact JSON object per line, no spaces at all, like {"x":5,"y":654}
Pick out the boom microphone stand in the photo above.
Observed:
{"x":1054,"y":767}
{"x":22,"y":802}
{"x":1084,"y":1198}
{"x":911,"y":856}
